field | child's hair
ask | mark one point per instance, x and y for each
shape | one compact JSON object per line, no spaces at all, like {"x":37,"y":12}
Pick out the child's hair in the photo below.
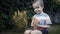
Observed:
{"x":39,"y":2}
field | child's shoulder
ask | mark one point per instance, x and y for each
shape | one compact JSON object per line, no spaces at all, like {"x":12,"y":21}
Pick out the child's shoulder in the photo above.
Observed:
{"x":35,"y":15}
{"x":45,"y":14}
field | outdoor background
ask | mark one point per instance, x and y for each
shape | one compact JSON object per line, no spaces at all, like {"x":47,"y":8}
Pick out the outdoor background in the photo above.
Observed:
{"x":15,"y":15}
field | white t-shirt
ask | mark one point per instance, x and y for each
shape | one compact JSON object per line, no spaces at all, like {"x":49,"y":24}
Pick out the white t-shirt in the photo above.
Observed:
{"x":42,"y":17}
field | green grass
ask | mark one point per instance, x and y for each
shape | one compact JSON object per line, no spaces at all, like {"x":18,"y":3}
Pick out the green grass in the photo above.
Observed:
{"x":55,"y":29}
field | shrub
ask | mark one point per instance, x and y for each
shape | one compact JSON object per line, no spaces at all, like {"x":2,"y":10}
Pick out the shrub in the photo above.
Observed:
{"x":20,"y":20}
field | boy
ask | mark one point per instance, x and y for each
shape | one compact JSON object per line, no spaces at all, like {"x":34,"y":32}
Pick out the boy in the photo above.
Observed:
{"x":43,"y":18}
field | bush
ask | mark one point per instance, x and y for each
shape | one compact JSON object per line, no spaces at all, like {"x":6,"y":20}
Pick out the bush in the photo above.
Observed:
{"x":20,"y":20}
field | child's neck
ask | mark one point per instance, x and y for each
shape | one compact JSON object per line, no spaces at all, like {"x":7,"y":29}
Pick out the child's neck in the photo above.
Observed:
{"x":40,"y":13}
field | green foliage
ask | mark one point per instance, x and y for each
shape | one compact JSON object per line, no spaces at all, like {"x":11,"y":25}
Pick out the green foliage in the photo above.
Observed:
{"x":7,"y":10}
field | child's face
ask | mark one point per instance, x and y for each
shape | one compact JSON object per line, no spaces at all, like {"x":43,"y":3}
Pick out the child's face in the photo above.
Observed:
{"x":37,"y":8}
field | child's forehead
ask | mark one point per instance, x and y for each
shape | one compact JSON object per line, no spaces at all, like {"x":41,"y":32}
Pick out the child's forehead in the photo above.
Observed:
{"x":36,"y":5}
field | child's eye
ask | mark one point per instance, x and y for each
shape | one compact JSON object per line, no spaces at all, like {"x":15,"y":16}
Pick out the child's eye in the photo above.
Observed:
{"x":37,"y":7}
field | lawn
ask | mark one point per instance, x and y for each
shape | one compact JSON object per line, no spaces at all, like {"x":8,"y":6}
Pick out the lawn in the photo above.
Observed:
{"x":55,"y":29}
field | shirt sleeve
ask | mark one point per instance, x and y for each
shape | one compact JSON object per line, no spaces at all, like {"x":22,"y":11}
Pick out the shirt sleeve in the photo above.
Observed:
{"x":48,"y":20}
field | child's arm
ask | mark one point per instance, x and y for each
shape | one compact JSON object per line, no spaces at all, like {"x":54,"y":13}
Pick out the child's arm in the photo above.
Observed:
{"x":44,"y":26}
{"x":48,"y":21}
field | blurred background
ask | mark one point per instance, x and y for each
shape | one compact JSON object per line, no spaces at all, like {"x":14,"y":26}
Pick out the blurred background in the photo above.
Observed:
{"x":15,"y":15}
